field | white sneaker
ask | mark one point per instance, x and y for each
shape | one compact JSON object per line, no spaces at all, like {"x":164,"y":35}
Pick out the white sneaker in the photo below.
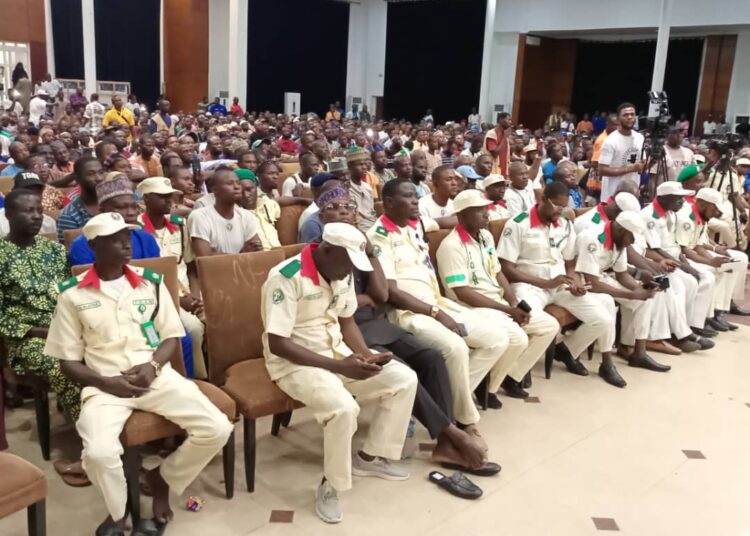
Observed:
{"x":379,"y":467}
{"x":327,"y":504}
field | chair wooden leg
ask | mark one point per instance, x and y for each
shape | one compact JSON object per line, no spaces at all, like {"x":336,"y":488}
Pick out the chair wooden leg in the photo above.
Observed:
{"x":228,"y":462}
{"x":590,"y":351}
{"x":249,"y":440}
{"x":549,"y":357}
{"x":41,"y":406}
{"x":36,"y":515}
{"x":486,"y":390}
{"x":276,"y":424}
{"x":131,"y":462}
{"x":286,"y":419}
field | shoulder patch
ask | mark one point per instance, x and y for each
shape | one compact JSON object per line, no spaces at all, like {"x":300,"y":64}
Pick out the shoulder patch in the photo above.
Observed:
{"x":291,"y":268}
{"x":522,"y":216}
{"x":382,"y":231}
{"x":65,"y":285}
{"x":176,"y":219}
{"x":597,"y":218}
{"x":153,"y":276}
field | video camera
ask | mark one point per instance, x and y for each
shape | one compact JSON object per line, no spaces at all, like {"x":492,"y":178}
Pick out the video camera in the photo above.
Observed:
{"x":726,"y":145}
{"x":655,"y":125}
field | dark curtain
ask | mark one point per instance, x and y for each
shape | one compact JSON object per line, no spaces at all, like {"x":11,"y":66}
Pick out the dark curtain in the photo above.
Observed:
{"x":127,"y":45}
{"x":67,"y":28}
{"x":607,"y":74}
{"x":298,"y":46}
{"x":433,"y":58}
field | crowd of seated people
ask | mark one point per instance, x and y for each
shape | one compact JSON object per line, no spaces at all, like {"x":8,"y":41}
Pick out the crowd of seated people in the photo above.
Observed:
{"x":439,"y":264}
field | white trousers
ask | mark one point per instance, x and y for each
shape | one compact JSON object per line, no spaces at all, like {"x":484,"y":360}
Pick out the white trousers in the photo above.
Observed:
{"x":331,"y":398}
{"x":195,"y":329}
{"x":725,"y":228}
{"x":171,"y":396}
{"x":669,"y":313}
{"x":699,"y":296}
{"x":738,"y":274}
{"x":468,"y":359}
{"x":636,"y":315}
{"x":596,"y":311}
{"x":722,"y":287}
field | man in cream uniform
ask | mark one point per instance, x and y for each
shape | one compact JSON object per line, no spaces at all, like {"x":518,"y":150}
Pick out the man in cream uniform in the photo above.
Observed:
{"x":494,"y":188}
{"x":316,"y":354}
{"x":170,"y":232}
{"x":597,"y":255}
{"x":470,"y":273}
{"x":114,"y":331}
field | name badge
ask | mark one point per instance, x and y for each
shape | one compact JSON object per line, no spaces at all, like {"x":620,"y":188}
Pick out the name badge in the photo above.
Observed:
{"x":151,"y":334}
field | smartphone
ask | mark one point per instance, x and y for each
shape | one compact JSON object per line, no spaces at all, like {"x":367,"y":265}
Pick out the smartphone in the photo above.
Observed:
{"x":462,"y":330}
{"x":380,"y":358}
{"x":525,"y":307}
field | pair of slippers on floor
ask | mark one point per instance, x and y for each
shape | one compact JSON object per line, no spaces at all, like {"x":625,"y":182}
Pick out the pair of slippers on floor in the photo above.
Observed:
{"x":144,"y":527}
{"x":458,"y":483}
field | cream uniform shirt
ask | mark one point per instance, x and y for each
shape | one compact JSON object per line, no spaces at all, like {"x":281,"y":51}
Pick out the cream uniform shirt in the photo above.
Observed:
{"x":267,"y":212}
{"x":174,"y":241}
{"x":690,"y":230}
{"x":405,"y":258}
{"x":537,"y":249}
{"x":462,"y":262}
{"x":106,"y":330}
{"x":498,"y":211}
{"x":296,"y":302}
{"x":518,"y":201}
{"x":598,"y":254}
{"x":660,"y":228}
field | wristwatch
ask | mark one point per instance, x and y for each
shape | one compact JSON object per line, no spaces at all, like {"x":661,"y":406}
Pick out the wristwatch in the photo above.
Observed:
{"x":434,"y":310}
{"x":157,"y":367}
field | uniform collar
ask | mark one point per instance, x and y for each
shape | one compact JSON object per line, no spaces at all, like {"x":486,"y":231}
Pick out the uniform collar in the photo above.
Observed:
{"x":534,"y":220}
{"x":690,"y":199}
{"x":694,"y":214}
{"x":659,"y":211}
{"x":92,"y":278}
{"x":308,"y":268}
{"x":463,"y":234}
{"x":148,"y":226}
{"x":392,"y":227}
{"x":500,"y":203}
{"x":606,"y":237}
{"x":600,"y":211}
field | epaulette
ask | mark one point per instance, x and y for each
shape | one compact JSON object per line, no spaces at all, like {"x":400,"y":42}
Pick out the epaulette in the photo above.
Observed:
{"x":291,"y":268}
{"x":597,"y":217}
{"x":176,"y":219}
{"x":522,"y":216}
{"x":382,"y":231}
{"x":65,"y":285}
{"x":153,"y":276}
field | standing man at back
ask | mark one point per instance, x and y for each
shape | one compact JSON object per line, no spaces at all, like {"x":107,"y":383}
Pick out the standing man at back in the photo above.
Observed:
{"x":620,"y":159}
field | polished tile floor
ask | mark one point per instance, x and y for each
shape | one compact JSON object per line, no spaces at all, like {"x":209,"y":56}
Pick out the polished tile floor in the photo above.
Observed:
{"x":667,"y":455}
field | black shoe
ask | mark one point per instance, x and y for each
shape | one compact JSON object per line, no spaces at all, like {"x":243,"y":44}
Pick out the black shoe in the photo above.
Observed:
{"x":722,"y":317}
{"x":493,"y":402}
{"x":705,"y":332}
{"x":513,"y":388}
{"x":737,"y":310}
{"x":706,"y":344}
{"x":648,"y":363}
{"x":574,"y":366}
{"x":716,"y":325}
{"x":610,"y":375}
{"x":526,"y":383}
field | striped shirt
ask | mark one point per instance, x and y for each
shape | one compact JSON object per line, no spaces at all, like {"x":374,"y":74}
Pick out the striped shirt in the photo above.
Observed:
{"x":73,"y":216}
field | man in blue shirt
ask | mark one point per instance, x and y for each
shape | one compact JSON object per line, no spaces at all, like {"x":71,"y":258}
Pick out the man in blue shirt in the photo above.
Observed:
{"x":548,"y":169}
{"x":116,"y":195}
{"x":19,"y":153}
{"x":217,"y":108}
{"x":566,"y":174}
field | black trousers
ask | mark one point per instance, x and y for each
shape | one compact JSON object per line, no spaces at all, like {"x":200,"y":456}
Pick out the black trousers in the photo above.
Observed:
{"x":433,"y":405}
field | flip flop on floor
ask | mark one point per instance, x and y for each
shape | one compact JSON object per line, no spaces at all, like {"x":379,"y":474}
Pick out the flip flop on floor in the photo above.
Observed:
{"x":71,"y":474}
{"x":457,"y":484}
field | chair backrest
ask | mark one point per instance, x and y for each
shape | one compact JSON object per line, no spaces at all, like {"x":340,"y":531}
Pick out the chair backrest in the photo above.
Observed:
{"x":579,"y":211}
{"x":6,"y":185}
{"x":288,"y":224}
{"x":434,"y":238}
{"x":53,"y":213}
{"x":69,"y":235}
{"x":168,"y":267}
{"x":291,"y":250}
{"x":496,"y":228}
{"x":49,"y":236}
{"x":231,"y":286}
{"x":287,"y":169}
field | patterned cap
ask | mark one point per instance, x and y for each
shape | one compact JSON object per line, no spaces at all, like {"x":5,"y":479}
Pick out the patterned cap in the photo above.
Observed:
{"x":334,"y":195}
{"x":113,"y":186}
{"x":356,"y":154}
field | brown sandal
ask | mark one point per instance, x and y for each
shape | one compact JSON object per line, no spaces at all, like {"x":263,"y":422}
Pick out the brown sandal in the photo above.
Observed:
{"x":70,"y":475}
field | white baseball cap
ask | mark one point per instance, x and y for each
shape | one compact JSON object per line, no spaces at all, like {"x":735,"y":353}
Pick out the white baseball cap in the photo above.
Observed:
{"x":672,"y":188}
{"x":105,"y":224}
{"x":743,"y":162}
{"x":470,"y":199}
{"x":350,"y":238}
{"x":698,"y":158}
{"x":530,"y":147}
{"x":631,"y":221}
{"x":711,"y":196}
{"x":627,"y":202}
{"x":156,"y":185}
{"x":494,"y":178}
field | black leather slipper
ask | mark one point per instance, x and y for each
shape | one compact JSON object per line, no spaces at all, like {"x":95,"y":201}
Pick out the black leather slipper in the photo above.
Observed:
{"x":457,"y":484}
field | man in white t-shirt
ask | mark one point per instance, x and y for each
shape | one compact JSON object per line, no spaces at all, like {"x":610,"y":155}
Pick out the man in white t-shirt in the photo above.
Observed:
{"x":677,"y":156}
{"x":621,"y":158}
{"x":439,"y":205}
{"x":37,"y":107}
{"x":295,"y":185}
{"x":709,"y":126}
{"x":224,"y":228}
{"x":520,"y":196}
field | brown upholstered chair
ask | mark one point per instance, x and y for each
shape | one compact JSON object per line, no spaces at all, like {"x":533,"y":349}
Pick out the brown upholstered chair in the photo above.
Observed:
{"x":49,"y":236}
{"x":231,"y":288}
{"x":291,"y":250}
{"x":288,"y":224}
{"x":143,"y":427}
{"x":23,"y":486}
{"x":287,"y":169}
{"x":69,"y":235}
{"x":496,"y":228}
{"x":579,"y":211}
{"x":6,"y":184}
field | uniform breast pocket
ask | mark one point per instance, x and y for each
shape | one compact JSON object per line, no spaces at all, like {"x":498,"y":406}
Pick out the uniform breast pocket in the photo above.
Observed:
{"x":95,"y":323}
{"x":141,"y":310}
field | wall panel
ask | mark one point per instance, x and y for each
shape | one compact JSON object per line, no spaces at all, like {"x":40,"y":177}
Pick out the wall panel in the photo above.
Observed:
{"x":186,"y":53}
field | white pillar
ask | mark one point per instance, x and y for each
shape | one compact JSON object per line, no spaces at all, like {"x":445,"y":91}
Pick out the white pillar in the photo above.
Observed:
{"x":485,"y":106}
{"x":218,"y":47}
{"x":237,"y":59}
{"x":365,"y":62}
{"x":49,"y":36}
{"x":738,"y":102}
{"x":161,"y":46}
{"x":89,"y":46}
{"x":662,"y":44}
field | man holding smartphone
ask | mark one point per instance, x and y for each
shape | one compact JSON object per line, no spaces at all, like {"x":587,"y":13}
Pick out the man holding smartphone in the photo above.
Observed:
{"x":471,"y":275}
{"x":620,"y":158}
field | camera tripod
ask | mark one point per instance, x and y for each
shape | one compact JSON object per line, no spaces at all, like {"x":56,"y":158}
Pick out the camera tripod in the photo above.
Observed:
{"x":655,"y":179}
{"x":722,"y":171}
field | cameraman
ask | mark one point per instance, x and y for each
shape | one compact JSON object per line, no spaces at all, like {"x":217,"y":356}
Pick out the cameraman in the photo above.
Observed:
{"x":621,"y":151}
{"x":677,"y":156}
{"x":724,"y":178}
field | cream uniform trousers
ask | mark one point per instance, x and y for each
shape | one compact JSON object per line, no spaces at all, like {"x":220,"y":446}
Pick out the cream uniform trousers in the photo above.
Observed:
{"x":331,"y":398}
{"x":669,"y":313}
{"x":636,"y":315}
{"x":195,"y":328}
{"x":171,"y":396}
